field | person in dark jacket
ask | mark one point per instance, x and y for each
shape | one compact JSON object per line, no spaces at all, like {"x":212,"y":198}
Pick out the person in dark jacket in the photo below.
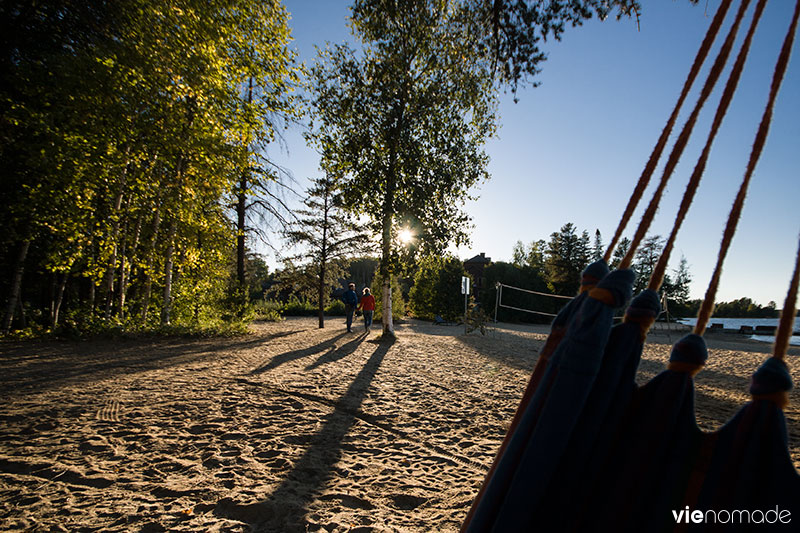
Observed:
{"x":350,"y":299}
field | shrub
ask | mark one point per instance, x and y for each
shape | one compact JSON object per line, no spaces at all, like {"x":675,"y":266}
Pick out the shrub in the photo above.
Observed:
{"x":335,"y":308}
{"x":437,"y":288}
{"x":267,"y":310}
{"x":296,"y":307}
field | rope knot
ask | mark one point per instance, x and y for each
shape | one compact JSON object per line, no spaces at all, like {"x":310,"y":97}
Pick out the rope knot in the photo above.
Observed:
{"x":688,"y":355}
{"x":593,"y":274}
{"x":643,"y":311}
{"x":772,"y":382}
{"x":615,"y":289}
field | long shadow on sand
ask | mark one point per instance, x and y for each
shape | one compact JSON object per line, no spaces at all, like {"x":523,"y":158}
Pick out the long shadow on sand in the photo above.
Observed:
{"x":524,"y":356}
{"x":287,"y":357}
{"x":334,"y":354}
{"x":285,"y":509}
{"x":46,"y":365}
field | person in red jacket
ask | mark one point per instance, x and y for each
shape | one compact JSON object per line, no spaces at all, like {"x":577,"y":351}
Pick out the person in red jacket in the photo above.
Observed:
{"x":367,"y":305}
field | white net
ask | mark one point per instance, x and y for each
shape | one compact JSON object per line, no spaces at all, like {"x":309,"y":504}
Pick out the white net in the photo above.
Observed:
{"x":528,"y":301}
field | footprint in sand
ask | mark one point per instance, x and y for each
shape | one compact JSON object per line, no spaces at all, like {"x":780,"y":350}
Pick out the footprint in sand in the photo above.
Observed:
{"x":406,"y":502}
{"x":348,"y":500}
{"x":109,"y":412}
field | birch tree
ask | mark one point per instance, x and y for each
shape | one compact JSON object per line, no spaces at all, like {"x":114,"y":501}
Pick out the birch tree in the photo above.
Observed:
{"x":402,"y":125}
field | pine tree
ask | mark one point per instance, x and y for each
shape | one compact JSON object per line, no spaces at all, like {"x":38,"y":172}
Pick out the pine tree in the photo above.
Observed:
{"x":680,"y":286}
{"x":645,"y":261}
{"x":619,"y":252}
{"x":328,"y":236}
{"x":597,"y":249}
{"x":566,"y":256}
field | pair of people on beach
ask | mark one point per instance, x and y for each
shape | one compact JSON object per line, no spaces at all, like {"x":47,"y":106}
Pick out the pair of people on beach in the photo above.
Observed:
{"x":352,"y":303}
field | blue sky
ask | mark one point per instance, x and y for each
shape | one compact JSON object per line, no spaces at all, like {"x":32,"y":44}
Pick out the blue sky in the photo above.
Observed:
{"x":572,"y":149}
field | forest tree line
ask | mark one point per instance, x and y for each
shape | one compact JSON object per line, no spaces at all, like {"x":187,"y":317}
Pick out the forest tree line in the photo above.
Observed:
{"x":554,"y":266}
{"x":135,"y":137}
{"x":431,"y":286}
{"x":132,"y":154}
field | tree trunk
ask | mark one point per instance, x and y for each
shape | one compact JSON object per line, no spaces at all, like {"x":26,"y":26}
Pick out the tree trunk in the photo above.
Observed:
{"x":388,"y":218}
{"x":196,"y":299}
{"x":386,"y":274}
{"x":323,"y":262}
{"x":16,"y":286}
{"x":89,"y":278}
{"x":91,"y":294}
{"x":122,"y":262}
{"x":166,"y":306}
{"x":148,"y":283}
{"x":112,"y":263}
{"x":241,"y":208}
{"x":117,"y":214}
{"x":125,"y":268}
{"x":321,"y":296}
{"x":53,"y":283}
{"x":240,"y":229}
{"x":59,"y":297}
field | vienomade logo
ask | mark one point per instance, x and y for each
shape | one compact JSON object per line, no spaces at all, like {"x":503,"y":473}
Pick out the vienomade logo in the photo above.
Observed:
{"x":771,"y":516}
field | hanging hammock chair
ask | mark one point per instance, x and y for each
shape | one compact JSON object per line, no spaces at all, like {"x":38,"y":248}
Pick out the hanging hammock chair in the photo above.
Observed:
{"x":588,"y":449}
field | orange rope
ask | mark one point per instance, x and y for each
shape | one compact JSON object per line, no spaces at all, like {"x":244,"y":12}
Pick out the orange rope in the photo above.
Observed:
{"x":683,"y":138}
{"x":657,"y":277}
{"x":707,"y":308}
{"x":786,"y":324}
{"x":650,"y":167}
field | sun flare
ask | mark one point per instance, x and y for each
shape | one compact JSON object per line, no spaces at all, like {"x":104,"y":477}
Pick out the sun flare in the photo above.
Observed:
{"x":405,"y":236}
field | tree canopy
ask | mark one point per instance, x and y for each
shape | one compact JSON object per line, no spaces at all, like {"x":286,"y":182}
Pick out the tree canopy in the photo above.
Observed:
{"x":124,"y":132}
{"x":132,"y":141}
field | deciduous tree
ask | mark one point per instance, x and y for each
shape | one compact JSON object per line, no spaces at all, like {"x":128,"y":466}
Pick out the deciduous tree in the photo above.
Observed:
{"x":402,"y":123}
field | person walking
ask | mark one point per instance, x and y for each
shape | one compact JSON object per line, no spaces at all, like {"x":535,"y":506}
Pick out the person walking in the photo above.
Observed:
{"x":367,"y":306}
{"x":350,"y":299}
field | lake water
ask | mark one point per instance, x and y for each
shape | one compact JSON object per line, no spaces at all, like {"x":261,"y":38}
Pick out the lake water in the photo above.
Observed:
{"x":736,"y":323}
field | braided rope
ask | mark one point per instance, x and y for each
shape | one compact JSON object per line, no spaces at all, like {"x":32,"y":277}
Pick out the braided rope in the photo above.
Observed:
{"x":683,"y":138}
{"x":657,"y":277}
{"x":707,"y":307}
{"x":650,"y":167}
{"x":786,"y":324}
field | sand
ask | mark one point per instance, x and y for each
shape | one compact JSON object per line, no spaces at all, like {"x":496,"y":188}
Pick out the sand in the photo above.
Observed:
{"x":291,"y":428}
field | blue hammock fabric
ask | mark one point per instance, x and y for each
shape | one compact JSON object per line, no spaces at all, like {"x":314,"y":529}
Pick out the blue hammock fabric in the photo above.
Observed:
{"x":590,"y":277}
{"x":592,"y":452}
{"x":596,"y":430}
{"x":644,"y":477}
{"x":662,"y":463}
{"x":523,"y":473}
{"x":745,"y":466}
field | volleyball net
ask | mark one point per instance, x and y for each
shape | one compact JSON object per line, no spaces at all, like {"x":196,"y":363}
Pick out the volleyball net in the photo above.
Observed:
{"x":548,"y":305}
{"x":528,"y":301}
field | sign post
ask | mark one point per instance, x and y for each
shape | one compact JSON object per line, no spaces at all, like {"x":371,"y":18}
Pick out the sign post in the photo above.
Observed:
{"x":465,"y":292}
{"x":498,"y":296}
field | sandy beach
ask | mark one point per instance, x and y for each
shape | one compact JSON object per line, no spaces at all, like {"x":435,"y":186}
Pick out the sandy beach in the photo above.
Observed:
{"x":289,"y":429}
